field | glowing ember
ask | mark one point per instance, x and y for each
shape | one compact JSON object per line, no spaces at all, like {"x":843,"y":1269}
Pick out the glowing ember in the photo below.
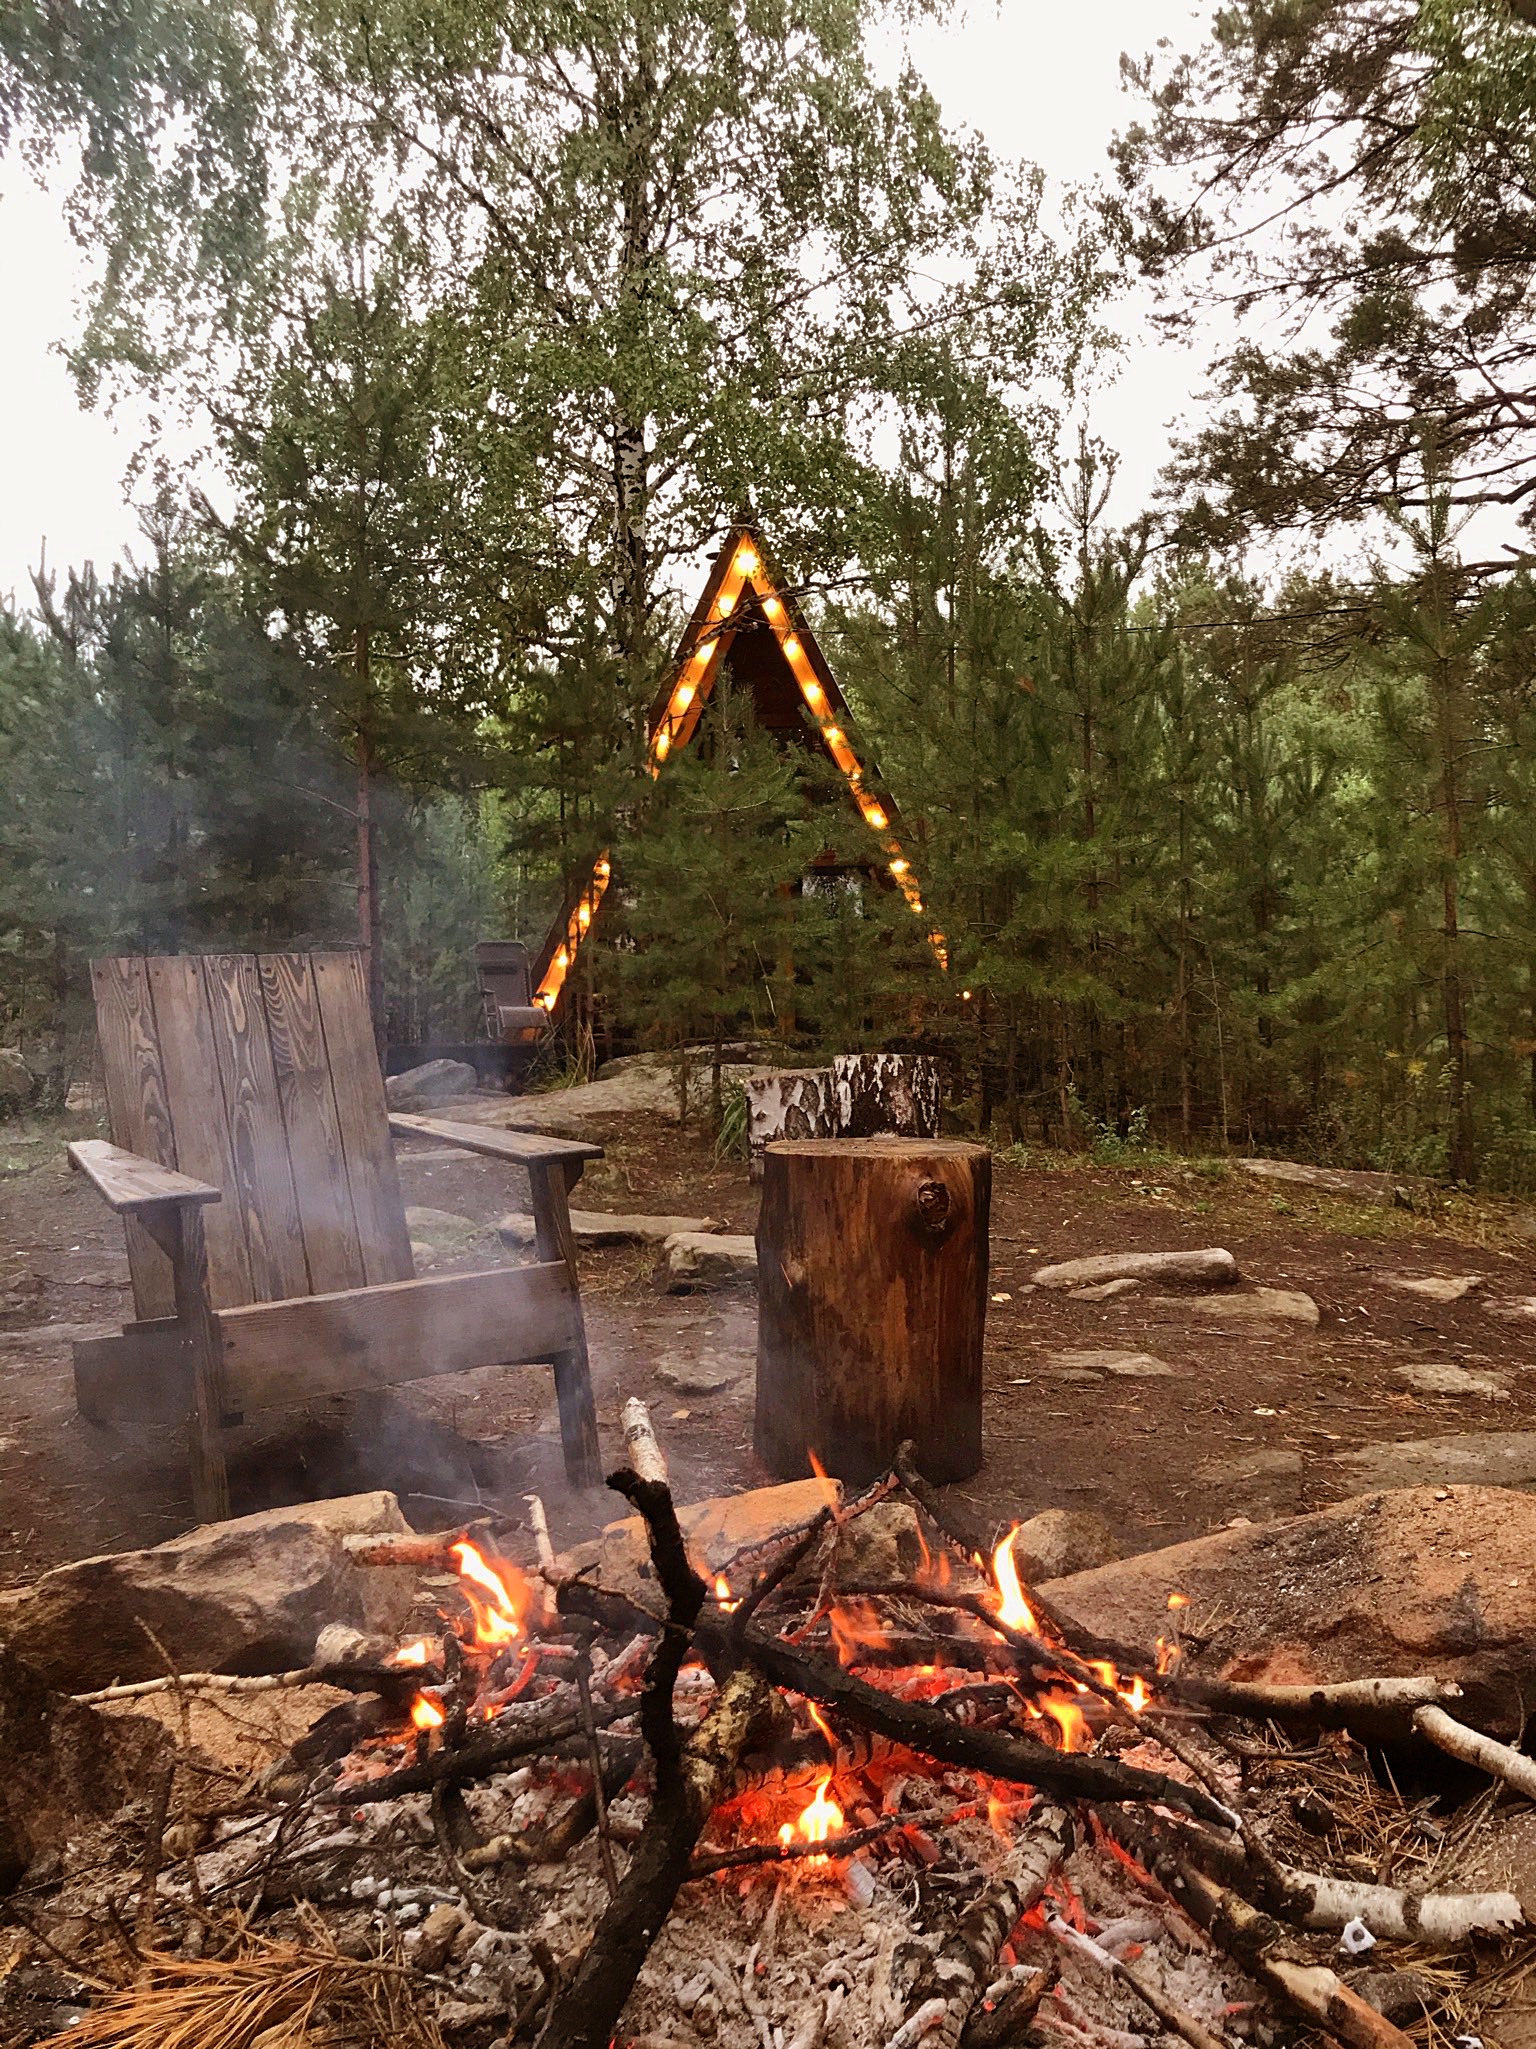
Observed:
{"x":1135,"y":1695}
{"x":486,"y":1591}
{"x":1178,"y":1600}
{"x":816,"y":1822}
{"x":1013,"y":1609}
{"x":854,"y":1627}
{"x":417,"y":1653}
{"x":425,"y":1713}
{"x":724,"y":1599}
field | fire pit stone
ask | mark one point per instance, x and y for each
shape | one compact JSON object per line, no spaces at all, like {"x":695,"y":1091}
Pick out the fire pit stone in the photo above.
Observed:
{"x":247,"y":1595}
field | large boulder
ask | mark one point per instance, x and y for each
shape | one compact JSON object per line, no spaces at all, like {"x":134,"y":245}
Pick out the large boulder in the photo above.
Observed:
{"x":1209,"y":1267}
{"x":1385,"y":1189}
{"x":717,"y":1532}
{"x":435,"y":1082}
{"x":18,"y":1084}
{"x":1436,"y":1580}
{"x":248,"y":1595}
{"x":438,"y":1234}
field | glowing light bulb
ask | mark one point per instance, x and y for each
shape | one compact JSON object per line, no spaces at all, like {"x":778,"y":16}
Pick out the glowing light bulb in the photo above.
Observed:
{"x":772,"y":607}
{"x":832,"y":735}
{"x":700,"y":656}
{"x":682,"y":697}
{"x":876,"y":816}
{"x":662,"y":744}
{"x":793,"y":648}
{"x":604,"y":870}
{"x":900,"y":867}
{"x":813,"y":693}
{"x":727,"y":602}
{"x":562,"y":959}
{"x":584,"y":915}
{"x":746,"y":561}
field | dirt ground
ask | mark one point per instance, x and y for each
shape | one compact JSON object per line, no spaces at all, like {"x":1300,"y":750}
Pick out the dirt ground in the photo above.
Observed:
{"x":1251,"y":1420}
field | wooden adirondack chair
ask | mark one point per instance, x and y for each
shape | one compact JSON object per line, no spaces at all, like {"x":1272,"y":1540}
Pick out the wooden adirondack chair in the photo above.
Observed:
{"x":252,"y":1167}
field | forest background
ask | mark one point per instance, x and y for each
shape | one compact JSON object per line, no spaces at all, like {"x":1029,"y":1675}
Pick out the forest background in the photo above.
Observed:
{"x":503,"y":315}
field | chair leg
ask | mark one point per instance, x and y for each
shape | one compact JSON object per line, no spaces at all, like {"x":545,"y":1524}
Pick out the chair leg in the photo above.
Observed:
{"x":573,"y":1377}
{"x":179,"y":1231}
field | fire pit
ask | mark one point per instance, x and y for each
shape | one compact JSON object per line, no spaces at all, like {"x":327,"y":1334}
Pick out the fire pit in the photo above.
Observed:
{"x":795,"y":1802}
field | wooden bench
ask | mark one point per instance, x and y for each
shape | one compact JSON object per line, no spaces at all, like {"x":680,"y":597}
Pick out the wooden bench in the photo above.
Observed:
{"x":252,"y":1166}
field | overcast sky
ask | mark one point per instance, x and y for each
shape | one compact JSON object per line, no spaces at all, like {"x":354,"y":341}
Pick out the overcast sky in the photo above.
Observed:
{"x":1040,"y":79}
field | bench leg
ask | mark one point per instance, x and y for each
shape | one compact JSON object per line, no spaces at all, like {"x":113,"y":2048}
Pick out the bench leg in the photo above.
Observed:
{"x":573,"y":1377}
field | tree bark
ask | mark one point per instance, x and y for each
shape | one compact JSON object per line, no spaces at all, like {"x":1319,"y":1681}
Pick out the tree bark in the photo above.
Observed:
{"x":872,"y":1264}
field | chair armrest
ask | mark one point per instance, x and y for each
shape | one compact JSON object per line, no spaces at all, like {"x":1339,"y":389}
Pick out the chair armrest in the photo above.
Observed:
{"x":129,"y":1182}
{"x":522,"y":1148}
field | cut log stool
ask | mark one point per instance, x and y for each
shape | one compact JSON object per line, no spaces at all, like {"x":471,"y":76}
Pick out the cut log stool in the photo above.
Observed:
{"x":872,"y":1293}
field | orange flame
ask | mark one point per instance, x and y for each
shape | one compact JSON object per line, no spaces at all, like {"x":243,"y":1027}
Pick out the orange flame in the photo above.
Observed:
{"x":854,"y":1626}
{"x":486,"y":1591}
{"x":426,"y":1714}
{"x":724,"y":1599}
{"x":997,"y":1815}
{"x":417,"y":1653}
{"x":1135,"y":1695}
{"x":1178,"y":1600}
{"x":823,"y":1726}
{"x":829,"y":1487}
{"x":1070,"y":1720}
{"x":1013,"y":1610}
{"x":820,"y":1819}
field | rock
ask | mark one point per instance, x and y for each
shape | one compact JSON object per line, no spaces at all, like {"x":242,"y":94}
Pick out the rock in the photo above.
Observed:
{"x":1062,"y":1540}
{"x":708,"y":1374}
{"x":80,"y":1099}
{"x":423,"y":1088}
{"x":1363,"y":1187}
{"x":439,"y":1932}
{"x":442,"y":1234}
{"x":1434,"y":1287}
{"x":1424,"y":1580}
{"x":1246,"y":1468}
{"x":1442,"y":1376}
{"x":883,"y":1545}
{"x":1105,"y":1291}
{"x":1123,"y":1365}
{"x":65,"y":1765}
{"x":696,"y":1260}
{"x":600,"y":1227}
{"x":716,"y":1530}
{"x":18,"y":1084}
{"x":1249,"y":1305}
{"x":249,"y":1595}
{"x":1488,"y":1458}
{"x":1211,"y":1267}
{"x":1514,"y":1309}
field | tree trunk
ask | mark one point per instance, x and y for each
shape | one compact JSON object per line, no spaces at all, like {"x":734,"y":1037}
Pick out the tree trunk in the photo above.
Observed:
{"x":799,"y":1102}
{"x":369,"y":932}
{"x":892,"y":1095}
{"x":872,"y":1279}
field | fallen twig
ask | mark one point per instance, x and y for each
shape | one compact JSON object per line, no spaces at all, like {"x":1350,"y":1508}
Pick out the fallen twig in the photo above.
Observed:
{"x":1472,"y":1747}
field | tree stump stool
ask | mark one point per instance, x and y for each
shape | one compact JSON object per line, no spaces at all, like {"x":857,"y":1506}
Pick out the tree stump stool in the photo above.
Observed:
{"x":872,"y":1294}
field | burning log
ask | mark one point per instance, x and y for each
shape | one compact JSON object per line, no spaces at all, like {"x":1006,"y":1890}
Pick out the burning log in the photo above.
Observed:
{"x":586,"y":2015}
{"x":952,"y":1987}
{"x":1470,"y":1746}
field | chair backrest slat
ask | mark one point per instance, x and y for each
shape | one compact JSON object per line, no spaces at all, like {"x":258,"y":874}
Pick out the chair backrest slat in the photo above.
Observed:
{"x":257,"y":1073}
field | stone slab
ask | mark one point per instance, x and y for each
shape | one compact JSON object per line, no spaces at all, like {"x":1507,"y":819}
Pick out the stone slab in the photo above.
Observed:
{"x":1485,"y":1458}
{"x":604,"y":1227}
{"x":1249,"y":1305}
{"x":1210,"y":1266}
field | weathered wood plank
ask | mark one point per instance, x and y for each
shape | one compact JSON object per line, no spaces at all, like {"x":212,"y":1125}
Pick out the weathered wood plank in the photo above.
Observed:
{"x":573,"y":1375}
{"x":363,"y":1117}
{"x":196,"y":1097}
{"x":522,"y":1148}
{"x":128,"y":1182}
{"x":263,"y":1184}
{"x":276,"y":1352}
{"x":138,"y":1381}
{"x":138,"y":1114}
{"x":331,"y":1248}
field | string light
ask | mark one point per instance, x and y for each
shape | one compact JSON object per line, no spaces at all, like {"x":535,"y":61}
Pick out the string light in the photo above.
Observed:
{"x":746,"y":561}
{"x":727,"y":602}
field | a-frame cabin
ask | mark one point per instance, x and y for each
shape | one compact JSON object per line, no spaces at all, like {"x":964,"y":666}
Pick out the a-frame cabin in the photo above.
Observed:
{"x":749,"y":619}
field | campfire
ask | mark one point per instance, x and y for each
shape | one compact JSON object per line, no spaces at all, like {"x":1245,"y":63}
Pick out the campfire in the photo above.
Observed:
{"x":791,"y":1804}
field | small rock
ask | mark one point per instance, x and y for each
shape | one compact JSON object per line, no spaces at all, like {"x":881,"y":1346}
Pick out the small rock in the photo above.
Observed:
{"x":1514,"y":1309}
{"x":693,"y":1261}
{"x":1123,"y":1365}
{"x":1245,"y":1467}
{"x":716,"y":1531}
{"x":1251,"y":1305}
{"x":884,"y":1544}
{"x":80,"y":1099}
{"x":1105,"y":1291}
{"x":1441,"y":1376}
{"x":423,"y":1088}
{"x":1434,"y":1287}
{"x":442,"y":1234}
{"x":1210,"y":1267}
{"x":601,"y":1227}
{"x":705,"y":1375}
